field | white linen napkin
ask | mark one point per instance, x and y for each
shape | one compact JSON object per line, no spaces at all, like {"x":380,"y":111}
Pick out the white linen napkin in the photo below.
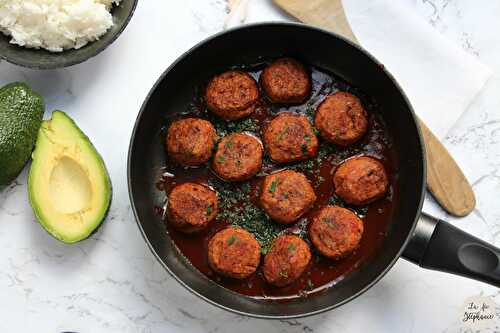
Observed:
{"x":439,"y":78}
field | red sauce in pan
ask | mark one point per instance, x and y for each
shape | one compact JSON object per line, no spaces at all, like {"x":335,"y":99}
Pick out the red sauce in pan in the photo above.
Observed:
{"x":322,"y":273}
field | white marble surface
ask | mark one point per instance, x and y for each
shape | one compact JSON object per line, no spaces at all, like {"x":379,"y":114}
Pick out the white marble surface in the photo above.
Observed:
{"x":111,"y":282}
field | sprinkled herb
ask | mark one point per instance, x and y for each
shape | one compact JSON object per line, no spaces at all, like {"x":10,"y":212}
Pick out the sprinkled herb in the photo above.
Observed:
{"x":310,"y":284}
{"x":237,"y":208}
{"x":282,"y":133}
{"x":303,"y":147}
{"x":267,"y":162}
{"x":326,"y":149}
{"x":316,"y":131}
{"x":221,"y":159}
{"x":286,"y":195}
{"x":307,"y":138}
{"x":309,"y":112}
{"x":304,"y":166}
{"x":209,"y":210}
{"x":223,"y":127}
{"x":361,"y":211}
{"x":229,"y":145}
{"x":292,"y":247}
{"x":319,"y":179}
{"x":245,"y":187}
{"x":273,"y":186}
{"x":231,"y":240}
{"x":334,"y":200}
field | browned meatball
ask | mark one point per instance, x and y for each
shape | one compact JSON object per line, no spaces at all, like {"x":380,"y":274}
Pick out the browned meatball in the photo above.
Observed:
{"x":238,"y":157}
{"x":286,"y":261}
{"x":360,"y":180}
{"x":286,"y":195}
{"x":341,"y":119}
{"x":232,"y":95}
{"x":190,"y":141}
{"x":234,"y":252}
{"x":290,"y":137}
{"x":286,"y":81}
{"x":335,"y":231}
{"x":191,"y":207}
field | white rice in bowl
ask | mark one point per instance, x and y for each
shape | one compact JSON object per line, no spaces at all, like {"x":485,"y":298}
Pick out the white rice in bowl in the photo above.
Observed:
{"x":55,"y":25}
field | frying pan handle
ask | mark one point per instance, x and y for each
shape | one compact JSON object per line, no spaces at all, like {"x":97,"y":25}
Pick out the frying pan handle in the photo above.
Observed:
{"x":440,"y":246}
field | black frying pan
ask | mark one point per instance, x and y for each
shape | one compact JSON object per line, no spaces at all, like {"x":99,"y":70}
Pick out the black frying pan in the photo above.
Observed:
{"x":425,"y":241}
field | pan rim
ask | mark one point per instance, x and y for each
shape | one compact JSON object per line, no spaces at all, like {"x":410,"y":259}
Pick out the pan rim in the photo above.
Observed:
{"x":299,"y":26}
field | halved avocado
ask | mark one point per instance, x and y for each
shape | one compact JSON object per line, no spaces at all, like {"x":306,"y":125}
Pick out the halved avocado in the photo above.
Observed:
{"x":69,"y":186}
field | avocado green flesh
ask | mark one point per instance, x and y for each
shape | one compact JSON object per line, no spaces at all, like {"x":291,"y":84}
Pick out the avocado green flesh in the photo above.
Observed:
{"x":21,"y":112}
{"x":69,"y":186}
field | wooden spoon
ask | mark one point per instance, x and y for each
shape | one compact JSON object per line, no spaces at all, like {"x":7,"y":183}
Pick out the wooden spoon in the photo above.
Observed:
{"x":445,"y":180}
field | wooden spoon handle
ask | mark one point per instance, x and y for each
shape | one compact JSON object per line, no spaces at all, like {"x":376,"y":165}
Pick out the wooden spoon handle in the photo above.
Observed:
{"x":445,"y":180}
{"x":326,"y":14}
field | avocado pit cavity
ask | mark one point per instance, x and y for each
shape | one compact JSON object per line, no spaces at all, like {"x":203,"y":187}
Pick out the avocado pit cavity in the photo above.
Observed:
{"x":70,"y":189}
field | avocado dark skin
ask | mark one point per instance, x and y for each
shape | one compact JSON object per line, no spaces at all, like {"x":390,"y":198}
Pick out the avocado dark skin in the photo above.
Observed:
{"x":21,"y":112}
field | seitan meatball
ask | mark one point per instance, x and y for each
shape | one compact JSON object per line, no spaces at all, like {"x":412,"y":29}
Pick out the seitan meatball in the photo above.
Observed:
{"x":286,"y":81}
{"x":238,"y":157}
{"x":360,"y":180}
{"x":190,"y":141}
{"x":191,"y":207}
{"x":335,"y":231}
{"x":286,"y":261}
{"x":341,"y":119}
{"x":289,"y":137}
{"x":232,"y":95}
{"x":234,"y":252}
{"x":286,"y":195}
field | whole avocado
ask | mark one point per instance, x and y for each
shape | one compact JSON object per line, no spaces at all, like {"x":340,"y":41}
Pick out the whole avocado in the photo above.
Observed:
{"x":21,"y":112}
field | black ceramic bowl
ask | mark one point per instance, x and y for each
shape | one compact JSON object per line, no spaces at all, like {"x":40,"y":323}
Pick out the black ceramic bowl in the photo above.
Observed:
{"x":42,"y":59}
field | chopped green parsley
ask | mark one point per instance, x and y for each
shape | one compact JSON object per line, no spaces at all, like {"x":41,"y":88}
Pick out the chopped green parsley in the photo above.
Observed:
{"x":209,"y":210}
{"x":231,"y":240}
{"x":274,"y":185}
